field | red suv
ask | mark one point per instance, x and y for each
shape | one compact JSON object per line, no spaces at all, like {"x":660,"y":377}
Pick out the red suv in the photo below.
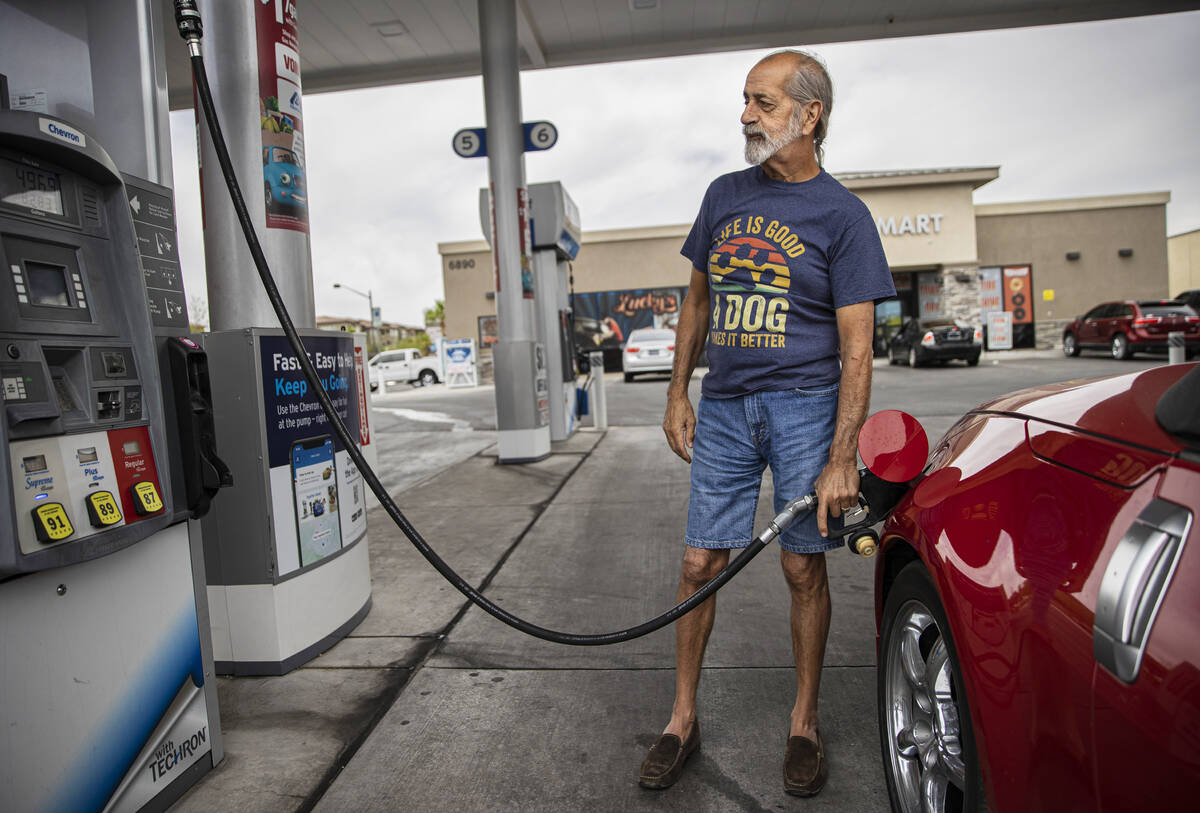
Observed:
{"x":1125,"y":328}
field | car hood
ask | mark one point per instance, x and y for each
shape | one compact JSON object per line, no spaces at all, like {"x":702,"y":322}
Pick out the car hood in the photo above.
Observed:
{"x":1118,"y":407}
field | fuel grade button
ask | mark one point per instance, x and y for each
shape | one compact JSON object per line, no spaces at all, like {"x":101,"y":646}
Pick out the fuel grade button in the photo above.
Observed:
{"x":51,"y":523}
{"x":145,"y":498}
{"x":102,"y":509}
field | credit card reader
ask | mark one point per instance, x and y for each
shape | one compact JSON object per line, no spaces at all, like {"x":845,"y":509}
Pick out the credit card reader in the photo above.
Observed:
{"x":82,"y":432}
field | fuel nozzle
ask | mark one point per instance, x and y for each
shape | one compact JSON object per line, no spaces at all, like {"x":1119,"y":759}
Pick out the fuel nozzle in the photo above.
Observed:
{"x":865,"y":543}
{"x":191,"y":27}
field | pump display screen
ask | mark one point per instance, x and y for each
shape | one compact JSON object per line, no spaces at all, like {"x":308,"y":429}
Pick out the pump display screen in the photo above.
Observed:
{"x":47,"y":284}
{"x":34,"y":463}
{"x":30,"y":188}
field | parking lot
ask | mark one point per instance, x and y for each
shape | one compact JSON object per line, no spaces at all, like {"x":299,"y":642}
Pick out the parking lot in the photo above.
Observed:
{"x":433,"y":705}
{"x":935,"y":395}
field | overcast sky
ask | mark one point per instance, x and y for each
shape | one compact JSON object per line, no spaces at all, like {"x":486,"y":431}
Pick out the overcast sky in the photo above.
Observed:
{"x":1065,"y":111}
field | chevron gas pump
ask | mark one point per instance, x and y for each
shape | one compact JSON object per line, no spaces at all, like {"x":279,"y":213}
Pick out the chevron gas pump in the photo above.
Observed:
{"x":555,"y":234}
{"x":107,"y":698}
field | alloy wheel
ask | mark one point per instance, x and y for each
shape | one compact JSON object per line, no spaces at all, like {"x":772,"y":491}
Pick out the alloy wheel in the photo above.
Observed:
{"x":924,"y":735}
{"x":1120,"y":347}
{"x":1069,"y":345}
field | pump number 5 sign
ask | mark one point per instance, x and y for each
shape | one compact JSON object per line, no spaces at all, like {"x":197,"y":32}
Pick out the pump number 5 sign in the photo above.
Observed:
{"x":471,"y":142}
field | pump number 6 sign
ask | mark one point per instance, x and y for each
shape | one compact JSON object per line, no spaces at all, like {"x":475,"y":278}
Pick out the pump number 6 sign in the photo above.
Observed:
{"x":540,"y":135}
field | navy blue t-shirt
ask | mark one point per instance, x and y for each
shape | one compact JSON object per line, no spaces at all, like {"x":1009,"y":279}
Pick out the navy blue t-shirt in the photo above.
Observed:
{"x":781,"y":257}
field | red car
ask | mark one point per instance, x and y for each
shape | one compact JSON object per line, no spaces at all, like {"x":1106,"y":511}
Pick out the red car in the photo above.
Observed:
{"x":1038,"y":605}
{"x":1125,"y":328}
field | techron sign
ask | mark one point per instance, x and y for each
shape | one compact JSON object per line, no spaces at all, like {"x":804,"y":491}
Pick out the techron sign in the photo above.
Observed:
{"x":909,"y":224}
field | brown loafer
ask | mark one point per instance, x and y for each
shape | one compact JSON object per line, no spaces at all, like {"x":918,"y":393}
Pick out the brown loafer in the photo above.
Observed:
{"x":663,"y":765}
{"x":804,"y":766}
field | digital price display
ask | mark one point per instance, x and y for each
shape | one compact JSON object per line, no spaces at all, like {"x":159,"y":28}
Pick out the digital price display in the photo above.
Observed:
{"x":30,"y":188}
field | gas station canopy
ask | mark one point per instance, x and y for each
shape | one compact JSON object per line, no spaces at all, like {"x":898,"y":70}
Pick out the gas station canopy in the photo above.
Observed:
{"x":347,"y":44}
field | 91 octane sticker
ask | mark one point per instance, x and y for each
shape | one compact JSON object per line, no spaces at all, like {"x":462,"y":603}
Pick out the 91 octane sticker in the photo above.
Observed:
{"x":51,"y":522}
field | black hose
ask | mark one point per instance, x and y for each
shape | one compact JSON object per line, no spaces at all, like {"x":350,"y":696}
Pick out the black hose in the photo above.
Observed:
{"x":393,"y":511}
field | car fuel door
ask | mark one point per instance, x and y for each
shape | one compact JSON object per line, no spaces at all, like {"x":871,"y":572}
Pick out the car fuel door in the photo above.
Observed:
{"x":1146,"y":685}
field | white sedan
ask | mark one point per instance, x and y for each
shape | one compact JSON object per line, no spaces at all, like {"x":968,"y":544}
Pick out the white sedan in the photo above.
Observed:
{"x":648,"y":350}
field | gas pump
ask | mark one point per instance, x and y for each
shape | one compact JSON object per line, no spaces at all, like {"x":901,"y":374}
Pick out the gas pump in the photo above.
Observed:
{"x":556,"y":234}
{"x":107,"y":700}
{"x":105,"y":694}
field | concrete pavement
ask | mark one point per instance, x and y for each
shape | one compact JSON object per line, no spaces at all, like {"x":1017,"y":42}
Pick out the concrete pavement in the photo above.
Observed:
{"x":432,"y":704}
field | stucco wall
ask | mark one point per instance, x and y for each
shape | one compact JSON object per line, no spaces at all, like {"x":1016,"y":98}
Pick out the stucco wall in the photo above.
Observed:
{"x":608,"y":261}
{"x":1042,"y":239}
{"x":944,"y":210}
{"x":1183,"y":261}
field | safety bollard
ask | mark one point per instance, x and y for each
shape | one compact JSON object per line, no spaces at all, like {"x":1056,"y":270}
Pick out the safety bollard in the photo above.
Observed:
{"x":599,"y":404}
{"x":1176,"y":349}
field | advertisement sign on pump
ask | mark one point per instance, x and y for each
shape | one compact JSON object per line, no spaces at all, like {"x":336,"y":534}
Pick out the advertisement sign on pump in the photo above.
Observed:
{"x":280,"y":110}
{"x":317,"y":494}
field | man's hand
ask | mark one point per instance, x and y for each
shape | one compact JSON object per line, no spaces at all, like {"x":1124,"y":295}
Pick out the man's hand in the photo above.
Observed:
{"x":837,"y":491}
{"x":679,"y":424}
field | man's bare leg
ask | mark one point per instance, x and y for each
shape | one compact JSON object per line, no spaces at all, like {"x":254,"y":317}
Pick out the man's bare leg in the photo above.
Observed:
{"x":691,"y":634}
{"x":808,"y":583}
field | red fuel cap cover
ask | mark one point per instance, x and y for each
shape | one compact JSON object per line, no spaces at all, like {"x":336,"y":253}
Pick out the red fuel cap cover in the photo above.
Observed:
{"x":893,"y":445}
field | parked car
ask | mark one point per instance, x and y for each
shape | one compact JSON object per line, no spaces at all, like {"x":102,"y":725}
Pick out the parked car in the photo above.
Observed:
{"x":648,"y":350}
{"x":1037,"y":596}
{"x":283,"y":180}
{"x":1190,"y":298}
{"x":920,"y":341}
{"x":406,"y":365}
{"x":1128,"y":327}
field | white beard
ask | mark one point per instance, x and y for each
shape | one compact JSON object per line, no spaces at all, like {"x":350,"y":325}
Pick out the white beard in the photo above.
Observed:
{"x":760,"y":149}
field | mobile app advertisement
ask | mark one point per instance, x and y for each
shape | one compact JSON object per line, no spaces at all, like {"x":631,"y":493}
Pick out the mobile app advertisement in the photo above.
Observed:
{"x":315,"y":488}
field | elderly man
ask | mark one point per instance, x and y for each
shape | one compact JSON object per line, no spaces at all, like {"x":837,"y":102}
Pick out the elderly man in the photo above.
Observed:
{"x":787,"y":266}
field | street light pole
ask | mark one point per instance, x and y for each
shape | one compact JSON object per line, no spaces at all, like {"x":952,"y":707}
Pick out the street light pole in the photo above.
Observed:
{"x":371,"y":320}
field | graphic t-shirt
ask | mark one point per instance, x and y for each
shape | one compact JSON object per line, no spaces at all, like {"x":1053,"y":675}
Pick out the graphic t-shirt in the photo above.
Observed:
{"x":781,"y":257}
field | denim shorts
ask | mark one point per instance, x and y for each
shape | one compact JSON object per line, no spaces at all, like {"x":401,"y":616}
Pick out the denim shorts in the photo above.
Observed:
{"x":736,"y":438}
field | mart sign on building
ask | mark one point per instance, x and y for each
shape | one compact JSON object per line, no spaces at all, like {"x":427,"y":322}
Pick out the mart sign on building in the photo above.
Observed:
{"x":910,"y":224}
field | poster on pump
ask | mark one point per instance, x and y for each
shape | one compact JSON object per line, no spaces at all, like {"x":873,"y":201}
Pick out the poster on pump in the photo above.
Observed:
{"x":317,"y":493}
{"x":281,"y":115}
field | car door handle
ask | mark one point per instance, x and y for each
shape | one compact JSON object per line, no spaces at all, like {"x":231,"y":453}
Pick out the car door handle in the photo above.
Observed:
{"x":1134,"y":584}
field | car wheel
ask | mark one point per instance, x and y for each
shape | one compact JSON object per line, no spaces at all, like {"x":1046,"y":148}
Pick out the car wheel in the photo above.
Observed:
{"x":973,"y":361}
{"x":427,"y":378}
{"x":912,"y":357}
{"x":1120,"y":347}
{"x":929,"y":756}
{"x":628,"y":377}
{"x":892,"y":356}
{"x":1070,"y":346}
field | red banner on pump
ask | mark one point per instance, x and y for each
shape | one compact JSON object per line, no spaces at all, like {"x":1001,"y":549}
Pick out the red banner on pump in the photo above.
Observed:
{"x":133,"y":459}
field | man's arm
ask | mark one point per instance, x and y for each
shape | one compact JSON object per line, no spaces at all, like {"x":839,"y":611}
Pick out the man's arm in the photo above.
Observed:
{"x":691,"y":332}
{"x":837,"y":486}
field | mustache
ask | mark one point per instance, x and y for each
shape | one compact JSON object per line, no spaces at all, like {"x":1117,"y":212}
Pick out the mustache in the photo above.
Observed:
{"x":753,"y":129}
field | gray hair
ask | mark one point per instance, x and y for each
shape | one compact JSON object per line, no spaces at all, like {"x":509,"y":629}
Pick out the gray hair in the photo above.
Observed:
{"x":810,"y":82}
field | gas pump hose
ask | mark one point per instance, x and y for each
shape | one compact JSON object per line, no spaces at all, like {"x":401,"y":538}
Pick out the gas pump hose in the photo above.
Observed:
{"x":188,"y":19}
